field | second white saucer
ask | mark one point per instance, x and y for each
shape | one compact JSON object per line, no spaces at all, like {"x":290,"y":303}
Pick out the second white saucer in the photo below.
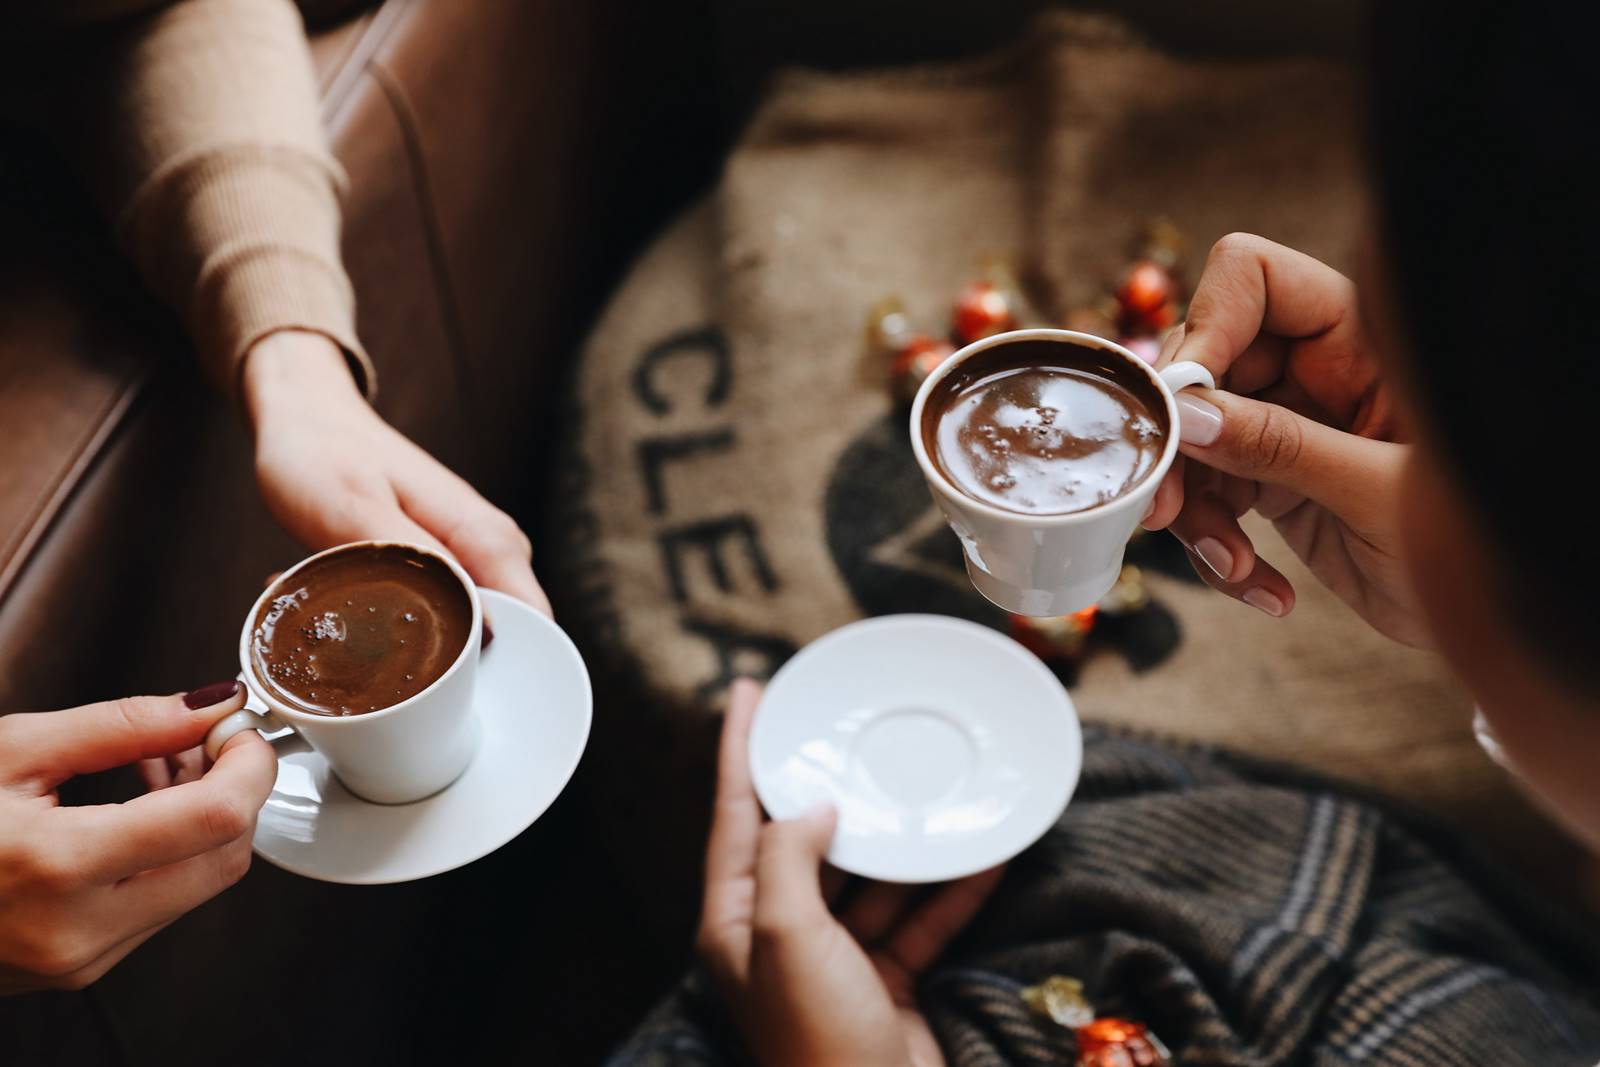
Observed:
{"x":947,"y":747}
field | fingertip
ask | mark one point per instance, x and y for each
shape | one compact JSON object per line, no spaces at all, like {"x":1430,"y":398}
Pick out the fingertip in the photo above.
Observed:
{"x":245,"y":738}
{"x":1168,"y":501}
{"x":822,"y":813}
{"x":523,"y":586}
{"x":744,"y":694}
{"x":262,"y":774}
{"x":259,"y":757}
{"x":819,"y":823}
{"x":1171,"y":344}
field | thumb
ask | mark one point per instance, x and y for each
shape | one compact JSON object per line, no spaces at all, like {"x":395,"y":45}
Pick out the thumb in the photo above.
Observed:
{"x":1273,"y":445}
{"x":56,"y":745}
{"x":788,"y":872}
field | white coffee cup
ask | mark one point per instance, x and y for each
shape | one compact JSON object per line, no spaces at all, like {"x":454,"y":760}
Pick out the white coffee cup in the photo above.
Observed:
{"x":1050,"y":564}
{"x":394,"y":755}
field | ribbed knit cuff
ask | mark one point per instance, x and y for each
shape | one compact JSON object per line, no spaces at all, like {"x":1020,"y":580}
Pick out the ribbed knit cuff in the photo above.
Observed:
{"x":244,"y":241}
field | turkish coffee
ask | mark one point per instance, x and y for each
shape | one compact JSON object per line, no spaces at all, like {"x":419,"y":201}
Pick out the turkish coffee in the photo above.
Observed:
{"x":360,"y":630}
{"x":1045,"y":427}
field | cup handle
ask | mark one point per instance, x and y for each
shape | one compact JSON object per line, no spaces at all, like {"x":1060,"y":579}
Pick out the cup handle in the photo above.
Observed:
{"x":237,"y":723}
{"x":1184,"y":373}
{"x":246,"y":718}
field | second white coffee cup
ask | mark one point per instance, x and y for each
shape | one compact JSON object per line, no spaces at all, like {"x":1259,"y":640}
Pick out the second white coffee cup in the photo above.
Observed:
{"x":394,"y":755}
{"x":1047,"y":565}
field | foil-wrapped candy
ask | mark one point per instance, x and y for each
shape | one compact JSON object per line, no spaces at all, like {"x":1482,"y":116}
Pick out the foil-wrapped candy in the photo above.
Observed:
{"x":919,"y":357}
{"x":1060,"y":637}
{"x":1062,"y":999}
{"x":983,"y":309}
{"x":1114,"y":1042}
{"x":1108,"y":1041}
{"x":1147,"y":299}
{"x":888,"y":326}
{"x":1129,"y":595}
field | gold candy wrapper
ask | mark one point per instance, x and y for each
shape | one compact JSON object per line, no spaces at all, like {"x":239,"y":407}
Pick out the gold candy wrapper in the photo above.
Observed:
{"x":1060,"y":999}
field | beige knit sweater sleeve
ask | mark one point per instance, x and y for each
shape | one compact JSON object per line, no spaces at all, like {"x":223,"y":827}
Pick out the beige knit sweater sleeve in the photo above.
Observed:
{"x":198,"y":126}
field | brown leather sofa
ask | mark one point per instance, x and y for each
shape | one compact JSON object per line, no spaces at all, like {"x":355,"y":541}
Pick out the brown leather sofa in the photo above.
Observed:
{"x":505,"y":160}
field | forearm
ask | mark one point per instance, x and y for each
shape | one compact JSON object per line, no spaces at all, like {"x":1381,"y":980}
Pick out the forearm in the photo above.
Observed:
{"x":198,"y":126}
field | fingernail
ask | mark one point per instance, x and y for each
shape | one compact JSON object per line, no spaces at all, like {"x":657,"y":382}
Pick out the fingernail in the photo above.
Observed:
{"x":207,"y":695}
{"x":1262,"y":600}
{"x":1199,"y":421}
{"x":1217,"y":557}
{"x":488,"y":635}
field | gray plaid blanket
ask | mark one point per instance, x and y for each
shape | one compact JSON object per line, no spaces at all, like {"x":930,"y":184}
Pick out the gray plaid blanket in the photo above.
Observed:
{"x":1251,"y":916}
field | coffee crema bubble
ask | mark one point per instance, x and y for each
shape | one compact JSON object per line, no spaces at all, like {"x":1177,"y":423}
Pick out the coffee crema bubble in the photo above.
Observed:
{"x":1045,"y":427}
{"x":360,"y":630}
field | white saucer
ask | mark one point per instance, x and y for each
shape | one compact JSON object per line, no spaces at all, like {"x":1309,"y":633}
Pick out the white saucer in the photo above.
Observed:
{"x":534,"y":705}
{"x":947,"y":747}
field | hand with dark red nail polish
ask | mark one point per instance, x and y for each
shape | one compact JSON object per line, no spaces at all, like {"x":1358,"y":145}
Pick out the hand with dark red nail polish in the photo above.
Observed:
{"x":136,"y":866}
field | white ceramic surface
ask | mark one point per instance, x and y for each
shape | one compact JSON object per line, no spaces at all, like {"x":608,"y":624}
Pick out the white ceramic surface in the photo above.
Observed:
{"x":947,"y":747}
{"x":1047,"y":565}
{"x":394,"y":755}
{"x":532,"y":707}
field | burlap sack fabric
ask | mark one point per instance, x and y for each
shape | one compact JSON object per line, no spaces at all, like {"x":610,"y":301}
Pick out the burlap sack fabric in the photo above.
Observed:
{"x":741,"y":480}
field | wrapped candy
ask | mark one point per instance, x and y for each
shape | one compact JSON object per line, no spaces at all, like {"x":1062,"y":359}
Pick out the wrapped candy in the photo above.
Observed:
{"x":914,"y":361}
{"x":1062,"y":999}
{"x":1108,"y":1041}
{"x":1054,"y":638}
{"x":888,"y":326}
{"x":1147,"y":299}
{"x":1113,"y":1042}
{"x":983,"y":308}
{"x":1128,"y":595}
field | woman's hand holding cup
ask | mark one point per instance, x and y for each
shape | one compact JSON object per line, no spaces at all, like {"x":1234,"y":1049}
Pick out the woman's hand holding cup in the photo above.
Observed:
{"x":1302,"y":431}
{"x":81,"y":887}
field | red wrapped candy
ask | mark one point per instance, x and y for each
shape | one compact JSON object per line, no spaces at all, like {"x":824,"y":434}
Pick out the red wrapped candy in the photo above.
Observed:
{"x":1113,"y":1042}
{"x":1054,"y":638}
{"x":982,"y":309}
{"x":1147,"y":298}
{"x":915,"y":360}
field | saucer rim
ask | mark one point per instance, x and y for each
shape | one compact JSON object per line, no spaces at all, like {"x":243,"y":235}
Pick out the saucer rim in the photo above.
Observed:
{"x":969,"y":628}
{"x":501,"y":601}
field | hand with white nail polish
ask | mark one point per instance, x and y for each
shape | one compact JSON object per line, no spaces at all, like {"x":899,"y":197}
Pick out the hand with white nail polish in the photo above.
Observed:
{"x":1302,"y":431}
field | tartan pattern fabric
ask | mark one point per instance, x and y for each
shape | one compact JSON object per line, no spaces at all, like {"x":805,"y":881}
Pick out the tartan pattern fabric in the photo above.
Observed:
{"x":1252,"y":916}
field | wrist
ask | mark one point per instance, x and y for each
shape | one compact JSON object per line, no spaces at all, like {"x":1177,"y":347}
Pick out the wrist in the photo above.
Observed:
{"x":283,"y":369}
